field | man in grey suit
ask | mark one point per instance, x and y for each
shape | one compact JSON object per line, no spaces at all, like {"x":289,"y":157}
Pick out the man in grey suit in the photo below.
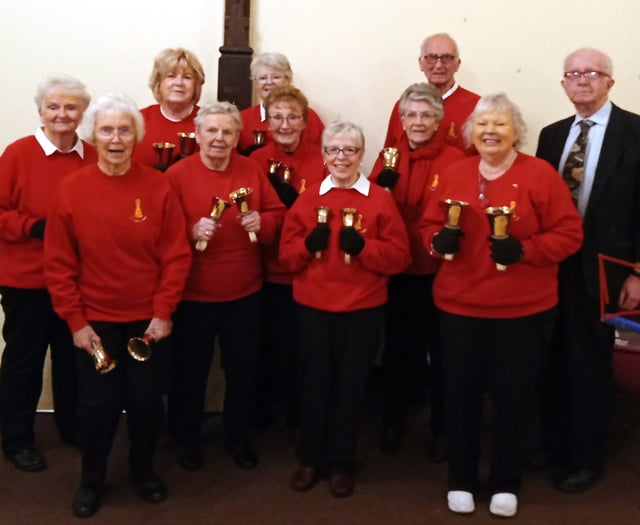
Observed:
{"x":577,"y":379}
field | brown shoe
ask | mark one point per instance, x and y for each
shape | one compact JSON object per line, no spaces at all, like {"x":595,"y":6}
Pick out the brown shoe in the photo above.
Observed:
{"x":304,"y":478}
{"x":341,"y":485}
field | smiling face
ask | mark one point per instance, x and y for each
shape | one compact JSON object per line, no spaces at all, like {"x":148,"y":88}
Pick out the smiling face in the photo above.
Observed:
{"x":60,"y":114}
{"x":217,"y":136}
{"x":178,"y":87}
{"x":343,"y":155}
{"x":494,"y":135}
{"x":115,"y":138}
{"x":267,"y":78}
{"x":286,"y":124}
{"x":419,"y":122}
{"x":440,"y":73}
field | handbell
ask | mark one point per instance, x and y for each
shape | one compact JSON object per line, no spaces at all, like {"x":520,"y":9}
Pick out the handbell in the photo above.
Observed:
{"x":164,"y":152}
{"x":323,"y":216}
{"x":140,"y":347}
{"x":348,"y":220}
{"x":454,"y":213}
{"x":239,"y":196}
{"x":499,"y":217}
{"x":259,"y":136}
{"x":187,"y":143}
{"x":390,"y":157}
{"x":218,"y":207}
{"x":103,"y":363}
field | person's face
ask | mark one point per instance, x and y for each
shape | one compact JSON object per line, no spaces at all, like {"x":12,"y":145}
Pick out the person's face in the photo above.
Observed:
{"x":493,"y":134}
{"x":178,"y":86}
{"x":60,"y":114}
{"x":115,"y":137}
{"x":343,"y":157}
{"x":286,"y":124}
{"x":590,"y":93}
{"x":419,"y":122}
{"x":217,"y":136}
{"x":439,"y":61}
{"x":267,"y":78}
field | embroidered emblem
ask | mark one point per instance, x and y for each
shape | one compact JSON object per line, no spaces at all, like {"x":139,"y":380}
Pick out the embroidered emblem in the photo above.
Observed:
{"x":358,"y":224}
{"x":452,"y":131}
{"x":138,"y":214}
{"x":303,"y":183}
{"x":435,"y":182}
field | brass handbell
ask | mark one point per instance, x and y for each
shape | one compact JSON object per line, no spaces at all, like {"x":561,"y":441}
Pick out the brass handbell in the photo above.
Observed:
{"x":239,"y":196}
{"x":140,"y":347}
{"x":103,"y":363}
{"x":323,"y":216}
{"x":286,"y":173}
{"x":390,"y":158}
{"x":499,"y":217}
{"x":348,"y":220}
{"x":274,"y":166}
{"x":187,"y":143}
{"x":164,"y":152}
{"x":454,"y":213}
{"x":259,"y":136}
{"x":219,"y":206}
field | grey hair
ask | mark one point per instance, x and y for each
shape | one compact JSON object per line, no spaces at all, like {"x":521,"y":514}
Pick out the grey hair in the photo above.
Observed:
{"x":218,"y":108}
{"x":62,"y":84}
{"x":422,"y":92}
{"x":446,"y":35}
{"x":344,"y":128}
{"x":116,"y":103}
{"x":276,"y":61}
{"x":497,"y":102}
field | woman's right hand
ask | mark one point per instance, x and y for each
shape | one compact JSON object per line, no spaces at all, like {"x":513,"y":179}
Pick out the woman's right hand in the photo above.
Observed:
{"x":85,"y":337}
{"x":204,"y":229}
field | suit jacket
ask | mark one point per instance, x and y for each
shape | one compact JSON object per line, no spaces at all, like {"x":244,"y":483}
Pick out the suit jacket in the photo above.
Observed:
{"x":612,"y":217}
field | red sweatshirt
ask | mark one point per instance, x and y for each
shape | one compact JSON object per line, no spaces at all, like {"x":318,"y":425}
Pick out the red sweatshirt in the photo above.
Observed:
{"x":329,"y":283}
{"x":457,"y":108}
{"x":420,"y":171}
{"x":115,"y":248}
{"x":231,"y":265}
{"x":545,"y":222}
{"x":159,"y":129}
{"x":251,"y":120}
{"x":28,"y":180}
{"x":308,"y":169}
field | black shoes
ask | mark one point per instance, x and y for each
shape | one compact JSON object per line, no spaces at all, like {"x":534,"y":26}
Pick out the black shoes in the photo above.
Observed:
{"x":27,"y":460}
{"x":189,"y":457}
{"x":243,"y":455}
{"x":86,"y":502}
{"x":579,"y":481}
{"x":390,"y":440}
{"x":151,"y":487}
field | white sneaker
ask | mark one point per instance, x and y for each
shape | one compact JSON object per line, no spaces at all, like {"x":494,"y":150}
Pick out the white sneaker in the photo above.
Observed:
{"x":460,"y":501}
{"x":504,"y":504}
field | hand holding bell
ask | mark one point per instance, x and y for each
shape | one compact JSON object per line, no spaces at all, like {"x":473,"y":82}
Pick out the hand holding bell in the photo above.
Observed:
{"x":103,"y":363}
{"x":140,"y":347}
{"x":322,"y":213}
{"x":239,"y":197}
{"x":499,"y":217}
{"x":348,"y":221}
{"x":452,"y":222}
{"x":219,"y":206}
{"x":388,"y":177}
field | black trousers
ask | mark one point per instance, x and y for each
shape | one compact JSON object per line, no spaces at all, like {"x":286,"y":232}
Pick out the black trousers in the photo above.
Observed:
{"x":577,"y":379}
{"x":412,"y":356}
{"x":30,"y":327}
{"x":238,"y":325}
{"x":277,"y":379}
{"x":502,"y":358}
{"x":134,"y":386}
{"x":336,"y":351}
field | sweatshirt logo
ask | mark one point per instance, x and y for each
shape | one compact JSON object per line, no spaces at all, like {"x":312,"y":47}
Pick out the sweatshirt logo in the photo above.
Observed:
{"x":138,"y":214}
{"x":452,"y":131}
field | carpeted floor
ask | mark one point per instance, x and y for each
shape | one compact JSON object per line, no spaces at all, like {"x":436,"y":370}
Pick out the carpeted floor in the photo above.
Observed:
{"x":400,"y":489}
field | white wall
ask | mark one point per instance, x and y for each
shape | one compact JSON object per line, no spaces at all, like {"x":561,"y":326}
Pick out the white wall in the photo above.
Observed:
{"x":352,"y":58}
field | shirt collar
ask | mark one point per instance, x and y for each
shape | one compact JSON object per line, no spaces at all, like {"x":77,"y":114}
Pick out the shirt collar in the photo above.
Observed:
{"x":600,"y":117}
{"x":50,"y":148}
{"x":362,"y":185}
{"x":450,"y":91}
{"x":263,"y":113}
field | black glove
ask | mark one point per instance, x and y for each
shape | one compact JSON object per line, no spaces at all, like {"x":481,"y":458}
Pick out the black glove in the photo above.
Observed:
{"x":506,"y":250}
{"x":388,"y":178}
{"x":351,"y":241}
{"x":287,"y":193}
{"x":37,"y":229}
{"x":318,"y":239}
{"x":447,"y":240}
{"x":248,"y":151}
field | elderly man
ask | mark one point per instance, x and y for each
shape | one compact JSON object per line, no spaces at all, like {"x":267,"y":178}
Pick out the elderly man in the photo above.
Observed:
{"x":597,"y":151}
{"x":439,"y":61}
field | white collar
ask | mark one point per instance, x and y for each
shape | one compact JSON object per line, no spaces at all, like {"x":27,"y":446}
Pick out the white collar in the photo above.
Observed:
{"x":50,"y":148}
{"x":361,"y":185}
{"x":450,"y":91}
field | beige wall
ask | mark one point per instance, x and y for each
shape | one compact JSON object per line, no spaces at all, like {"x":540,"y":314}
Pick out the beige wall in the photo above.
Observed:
{"x":352,"y":59}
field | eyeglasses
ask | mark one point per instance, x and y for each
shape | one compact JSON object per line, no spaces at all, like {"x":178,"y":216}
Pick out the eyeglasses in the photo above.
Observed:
{"x":347,"y":151}
{"x":589,"y":75}
{"x":414,"y":115}
{"x":264,"y":79}
{"x":109,"y":132}
{"x":432,"y":59}
{"x":279,"y":119}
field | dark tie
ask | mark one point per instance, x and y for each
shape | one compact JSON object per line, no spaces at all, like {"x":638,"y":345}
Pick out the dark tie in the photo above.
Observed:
{"x":574,"y":166}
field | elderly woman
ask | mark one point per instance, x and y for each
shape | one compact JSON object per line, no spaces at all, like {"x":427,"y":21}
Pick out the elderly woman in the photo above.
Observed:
{"x":116,"y":260}
{"x":222,"y":296}
{"x":30,"y":170}
{"x":411,"y":328}
{"x":176,"y":82}
{"x":496,"y":294}
{"x":342,"y":238}
{"x":292,"y":164}
{"x":268,"y":71}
